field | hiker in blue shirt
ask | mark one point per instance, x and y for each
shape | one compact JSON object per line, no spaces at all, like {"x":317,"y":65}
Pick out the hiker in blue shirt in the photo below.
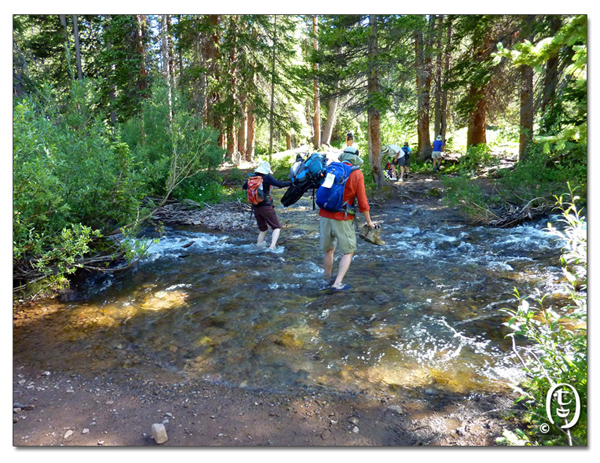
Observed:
{"x":436,"y":155}
{"x":407,"y":152}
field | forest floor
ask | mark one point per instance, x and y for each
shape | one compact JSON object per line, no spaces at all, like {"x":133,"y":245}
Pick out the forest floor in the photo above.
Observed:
{"x":62,"y":408}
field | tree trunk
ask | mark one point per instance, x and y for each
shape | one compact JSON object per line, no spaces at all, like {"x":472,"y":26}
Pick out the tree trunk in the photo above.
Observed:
{"x":476,"y":132}
{"x":288,"y":141}
{"x":272,"y":89}
{"x":141,"y":50}
{"x":374,"y":119}
{"x":444,"y":105}
{"x":211,"y":55}
{"x":171,"y":54}
{"x":551,"y":74}
{"x":241,"y":135}
{"x":317,"y":108}
{"x":332,"y":105}
{"x":250,"y":133}
{"x":63,"y":21}
{"x":143,"y":76}
{"x":437,"y":124}
{"x":165,"y":63}
{"x":231,"y":133}
{"x":526,"y":116}
{"x":112,"y":93}
{"x":423,"y":82}
{"x":77,"y":48}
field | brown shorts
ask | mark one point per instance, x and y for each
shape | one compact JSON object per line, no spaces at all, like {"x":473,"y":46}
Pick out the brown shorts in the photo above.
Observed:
{"x":266,"y":217}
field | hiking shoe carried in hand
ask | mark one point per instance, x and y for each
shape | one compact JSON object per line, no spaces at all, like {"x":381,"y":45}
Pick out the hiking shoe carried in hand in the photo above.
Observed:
{"x":371,"y":235}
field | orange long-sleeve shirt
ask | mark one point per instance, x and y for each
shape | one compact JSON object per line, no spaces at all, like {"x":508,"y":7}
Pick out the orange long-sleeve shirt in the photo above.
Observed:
{"x":355,"y":187}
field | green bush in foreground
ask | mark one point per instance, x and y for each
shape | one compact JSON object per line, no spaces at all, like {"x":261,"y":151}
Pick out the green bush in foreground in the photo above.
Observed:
{"x":556,"y":341}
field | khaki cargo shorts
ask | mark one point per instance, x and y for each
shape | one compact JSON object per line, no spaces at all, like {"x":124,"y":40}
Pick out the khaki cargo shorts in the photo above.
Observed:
{"x":436,"y":154}
{"x":338,"y":233}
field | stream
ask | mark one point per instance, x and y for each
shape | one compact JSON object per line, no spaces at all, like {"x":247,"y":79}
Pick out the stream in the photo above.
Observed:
{"x":423,"y":312}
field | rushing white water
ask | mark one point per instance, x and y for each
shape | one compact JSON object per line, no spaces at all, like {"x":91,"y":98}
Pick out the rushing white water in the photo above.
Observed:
{"x":424,"y":310}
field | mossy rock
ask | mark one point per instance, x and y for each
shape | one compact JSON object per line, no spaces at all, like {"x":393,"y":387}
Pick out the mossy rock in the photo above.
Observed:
{"x":434,"y":192}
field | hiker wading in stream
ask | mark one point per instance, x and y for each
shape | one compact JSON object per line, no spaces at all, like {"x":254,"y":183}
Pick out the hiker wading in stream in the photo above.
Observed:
{"x":264,"y":212}
{"x":337,"y":228}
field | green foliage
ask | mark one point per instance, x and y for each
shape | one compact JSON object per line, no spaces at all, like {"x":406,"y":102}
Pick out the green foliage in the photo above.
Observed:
{"x":281,"y":166}
{"x":477,"y":157}
{"x":556,"y":336}
{"x":206,"y":187}
{"x":171,"y":149}
{"x":461,"y":191}
{"x":72,"y":181}
{"x":513,"y":439}
{"x":541,"y":175}
{"x":236,"y":176}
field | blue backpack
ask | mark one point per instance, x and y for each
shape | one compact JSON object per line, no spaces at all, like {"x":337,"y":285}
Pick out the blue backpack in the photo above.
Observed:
{"x":305,"y":174}
{"x":330,"y":195}
{"x":310,"y":170}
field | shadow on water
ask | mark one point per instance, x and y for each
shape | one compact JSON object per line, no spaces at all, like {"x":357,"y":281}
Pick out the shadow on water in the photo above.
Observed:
{"x":423,"y":311}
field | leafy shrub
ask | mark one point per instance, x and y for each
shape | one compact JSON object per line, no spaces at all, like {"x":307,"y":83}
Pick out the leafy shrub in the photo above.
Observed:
{"x":556,"y":350}
{"x":72,"y":180}
{"x":543,"y":175}
{"x":477,"y":157}
{"x":461,"y":191}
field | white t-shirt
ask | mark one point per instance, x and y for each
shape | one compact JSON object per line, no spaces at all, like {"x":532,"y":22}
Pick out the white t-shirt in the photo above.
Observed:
{"x":396,"y":149}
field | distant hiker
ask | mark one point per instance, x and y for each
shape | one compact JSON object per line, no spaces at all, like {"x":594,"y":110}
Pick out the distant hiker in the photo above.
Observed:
{"x":436,"y":155}
{"x":258,"y":187}
{"x":337,"y":227}
{"x":397,"y":158}
{"x":407,"y":152}
{"x":350,"y":139}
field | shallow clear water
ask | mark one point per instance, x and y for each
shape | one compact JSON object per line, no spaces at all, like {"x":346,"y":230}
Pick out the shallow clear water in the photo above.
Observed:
{"x":423,"y":311}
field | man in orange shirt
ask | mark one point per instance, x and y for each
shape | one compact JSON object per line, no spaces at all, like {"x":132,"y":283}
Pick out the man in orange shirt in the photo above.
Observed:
{"x":337,"y":228}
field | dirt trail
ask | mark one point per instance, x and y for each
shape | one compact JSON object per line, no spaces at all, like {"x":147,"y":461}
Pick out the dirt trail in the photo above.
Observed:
{"x":61,"y":407}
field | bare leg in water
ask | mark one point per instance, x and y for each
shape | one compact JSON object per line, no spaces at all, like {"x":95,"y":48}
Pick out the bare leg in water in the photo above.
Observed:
{"x":345,"y":262}
{"x":275,"y":237}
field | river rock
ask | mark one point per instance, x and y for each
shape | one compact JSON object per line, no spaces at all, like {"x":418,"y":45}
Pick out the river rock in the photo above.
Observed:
{"x":395,"y":409}
{"x":159,"y":433}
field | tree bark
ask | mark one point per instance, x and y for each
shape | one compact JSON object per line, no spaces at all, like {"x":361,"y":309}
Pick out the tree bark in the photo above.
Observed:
{"x":63,"y":21}
{"x":552,"y":73}
{"x":165,"y":63}
{"x":171,"y":54}
{"x":476,"y":132}
{"x":231,"y":133}
{"x":374,"y":118}
{"x":141,"y":49}
{"x":332,"y":105}
{"x":317,"y":108}
{"x":272,"y":89}
{"x":211,"y":55}
{"x":250,"y":133}
{"x":423,"y":83}
{"x":444,"y":105}
{"x":526,"y":115}
{"x":437,"y":124}
{"x":77,"y":48}
{"x":241,"y":135}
